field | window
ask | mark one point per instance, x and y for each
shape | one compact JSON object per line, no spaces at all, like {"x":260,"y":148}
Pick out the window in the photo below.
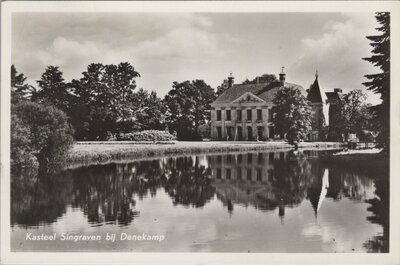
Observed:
{"x":239,"y":175}
{"x":218,"y":115}
{"x":218,"y":173}
{"x":239,"y":114}
{"x":228,"y":115}
{"x":239,"y":159}
{"x":259,"y":115}
{"x":260,"y":157}
{"x":228,"y":173}
{"x":249,"y":158}
{"x":259,"y":175}
{"x":271,"y":157}
{"x":249,"y":114}
{"x":248,"y":174}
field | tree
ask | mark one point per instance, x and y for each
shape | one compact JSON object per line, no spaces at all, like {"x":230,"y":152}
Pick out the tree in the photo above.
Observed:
{"x":355,"y":114}
{"x":52,"y":89}
{"x":149,"y":111}
{"x":380,"y":83}
{"x":19,"y":88}
{"x":293,"y":114}
{"x":222,"y":88}
{"x":104,"y":97}
{"x":188,"y":105}
{"x":264,"y":78}
{"x":40,"y":131}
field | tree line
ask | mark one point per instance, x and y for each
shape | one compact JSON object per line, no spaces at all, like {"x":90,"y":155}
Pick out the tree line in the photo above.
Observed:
{"x":106,"y":102}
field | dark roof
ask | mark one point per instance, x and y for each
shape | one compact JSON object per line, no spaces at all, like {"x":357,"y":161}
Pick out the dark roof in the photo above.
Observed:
{"x":265,"y":91}
{"x":314,"y":94}
{"x":332,"y":95}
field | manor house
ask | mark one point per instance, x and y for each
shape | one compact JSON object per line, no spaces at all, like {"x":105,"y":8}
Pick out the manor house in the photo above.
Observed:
{"x":244,"y":111}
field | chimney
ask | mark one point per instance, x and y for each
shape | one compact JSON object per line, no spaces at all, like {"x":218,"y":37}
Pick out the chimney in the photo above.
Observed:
{"x":230,"y":80}
{"x":282,"y":76}
{"x":338,"y":90}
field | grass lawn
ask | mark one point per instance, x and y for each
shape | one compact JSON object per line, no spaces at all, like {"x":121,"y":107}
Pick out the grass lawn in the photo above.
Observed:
{"x":102,"y":152}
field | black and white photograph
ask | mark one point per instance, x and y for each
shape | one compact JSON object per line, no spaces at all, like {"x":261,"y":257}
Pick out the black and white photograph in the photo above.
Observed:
{"x":261,"y":128}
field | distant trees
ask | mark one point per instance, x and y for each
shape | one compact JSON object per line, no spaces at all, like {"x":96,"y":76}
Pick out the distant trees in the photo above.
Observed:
{"x":264,"y":78}
{"x":380,"y":83}
{"x":293,"y":114}
{"x":188,"y":106}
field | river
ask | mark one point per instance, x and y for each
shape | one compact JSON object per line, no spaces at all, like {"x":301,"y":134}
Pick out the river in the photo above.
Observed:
{"x":241,"y":202}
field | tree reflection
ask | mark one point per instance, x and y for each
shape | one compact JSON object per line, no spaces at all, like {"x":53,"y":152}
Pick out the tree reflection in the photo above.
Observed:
{"x":39,"y":197}
{"x":380,"y":209}
{"x":188,"y":183}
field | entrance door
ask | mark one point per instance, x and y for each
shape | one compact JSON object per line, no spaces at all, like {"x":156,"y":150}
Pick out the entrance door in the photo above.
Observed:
{"x":240,"y":133}
{"x":260,"y":133}
{"x":249,"y":133}
{"x":219,"y":133}
{"x":229,"y":133}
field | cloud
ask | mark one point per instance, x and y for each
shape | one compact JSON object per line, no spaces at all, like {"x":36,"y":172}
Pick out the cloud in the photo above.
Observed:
{"x":157,"y":44}
{"x":338,"y":53}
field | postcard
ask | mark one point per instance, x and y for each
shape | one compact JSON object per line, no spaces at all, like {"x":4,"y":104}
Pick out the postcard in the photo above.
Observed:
{"x":220,"y":132}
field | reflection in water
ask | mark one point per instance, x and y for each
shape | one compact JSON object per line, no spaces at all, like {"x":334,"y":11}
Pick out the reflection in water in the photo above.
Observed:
{"x":266,"y":182}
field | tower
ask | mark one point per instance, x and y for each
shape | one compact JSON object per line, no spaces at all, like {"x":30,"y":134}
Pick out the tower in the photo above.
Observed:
{"x":230,"y":80}
{"x":315,"y":97}
{"x":282,"y":76}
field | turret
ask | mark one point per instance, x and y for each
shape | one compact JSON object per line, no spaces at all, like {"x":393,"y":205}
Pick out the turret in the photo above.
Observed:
{"x":282,"y":76}
{"x":230,"y":80}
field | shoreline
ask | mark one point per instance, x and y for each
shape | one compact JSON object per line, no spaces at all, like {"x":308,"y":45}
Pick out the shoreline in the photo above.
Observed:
{"x":92,"y":153}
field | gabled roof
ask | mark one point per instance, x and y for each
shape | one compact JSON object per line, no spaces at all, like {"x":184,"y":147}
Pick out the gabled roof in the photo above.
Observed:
{"x":265,"y":91}
{"x":314,"y":94}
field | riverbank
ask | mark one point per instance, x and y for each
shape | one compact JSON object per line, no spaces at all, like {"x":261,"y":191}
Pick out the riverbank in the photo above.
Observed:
{"x":364,"y":158}
{"x":103,"y":152}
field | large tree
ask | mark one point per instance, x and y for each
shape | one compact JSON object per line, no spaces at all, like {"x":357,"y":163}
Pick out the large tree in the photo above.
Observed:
{"x":149,"y":110}
{"x":39,"y":131}
{"x":188,"y":106}
{"x":380,"y":83}
{"x":293,"y":114}
{"x":19,"y":88}
{"x":52,"y":89}
{"x":355,"y":116}
{"x":103,"y":100}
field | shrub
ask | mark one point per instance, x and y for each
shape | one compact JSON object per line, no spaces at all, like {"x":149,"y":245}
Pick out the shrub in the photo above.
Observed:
{"x":149,"y":135}
{"x":39,"y":131}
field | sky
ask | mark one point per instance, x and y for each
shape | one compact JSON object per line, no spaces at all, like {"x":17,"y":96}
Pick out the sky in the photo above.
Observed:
{"x":168,"y":47}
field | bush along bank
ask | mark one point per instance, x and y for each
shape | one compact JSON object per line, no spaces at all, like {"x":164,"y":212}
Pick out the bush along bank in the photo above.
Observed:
{"x":148,"y":135}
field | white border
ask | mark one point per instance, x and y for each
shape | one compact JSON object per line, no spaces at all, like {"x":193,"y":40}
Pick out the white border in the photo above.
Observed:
{"x":198,"y":258}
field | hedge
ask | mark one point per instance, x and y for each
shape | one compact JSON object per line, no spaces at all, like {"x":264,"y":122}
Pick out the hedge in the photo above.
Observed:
{"x":149,"y":135}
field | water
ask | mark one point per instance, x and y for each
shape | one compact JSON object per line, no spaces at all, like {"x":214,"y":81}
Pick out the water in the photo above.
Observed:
{"x":242,"y":202}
